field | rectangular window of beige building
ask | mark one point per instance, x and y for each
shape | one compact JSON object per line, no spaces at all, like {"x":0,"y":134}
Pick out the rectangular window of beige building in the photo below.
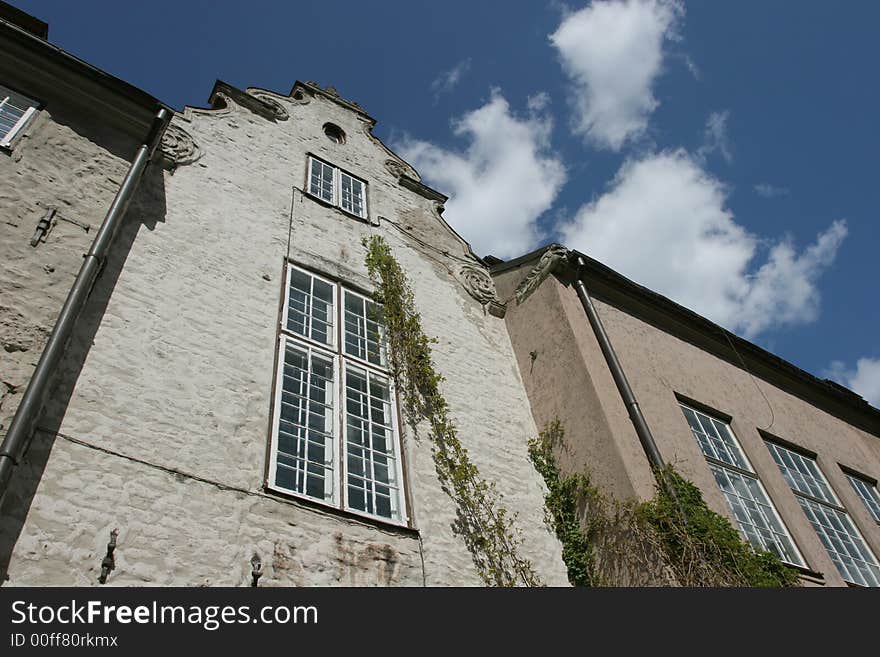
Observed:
{"x":841,"y":538}
{"x":754,"y":512}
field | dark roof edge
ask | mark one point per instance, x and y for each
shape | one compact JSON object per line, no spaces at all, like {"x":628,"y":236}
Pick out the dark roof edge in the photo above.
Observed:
{"x":24,"y":20}
{"x":112,"y":83}
{"x":422,"y":189}
{"x":826,"y":394}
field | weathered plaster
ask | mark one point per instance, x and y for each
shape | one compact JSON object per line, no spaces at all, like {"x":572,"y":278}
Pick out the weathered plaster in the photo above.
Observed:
{"x":177,"y":366}
{"x":568,"y":378}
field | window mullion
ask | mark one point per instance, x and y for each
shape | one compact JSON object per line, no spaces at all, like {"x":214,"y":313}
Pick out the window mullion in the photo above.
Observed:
{"x":303,"y":439}
{"x":372,"y":451}
{"x":729,"y":466}
{"x":342,"y":451}
{"x":310,"y":306}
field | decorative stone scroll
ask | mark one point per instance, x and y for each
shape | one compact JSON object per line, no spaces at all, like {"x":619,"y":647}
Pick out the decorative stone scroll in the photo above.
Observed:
{"x":395,"y":168}
{"x":553,"y":257}
{"x":276,"y":109}
{"x":480,"y":286}
{"x":179,"y":146}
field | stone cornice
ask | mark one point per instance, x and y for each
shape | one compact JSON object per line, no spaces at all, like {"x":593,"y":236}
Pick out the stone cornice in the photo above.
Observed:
{"x":257,"y":102}
{"x":422,"y":189}
{"x":332,"y":94}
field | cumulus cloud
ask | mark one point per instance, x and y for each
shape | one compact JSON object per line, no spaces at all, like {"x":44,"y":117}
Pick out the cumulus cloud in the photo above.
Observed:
{"x":769,"y":191}
{"x":663,"y":222}
{"x":500,"y":184}
{"x":613,"y":52}
{"x":715,"y":136}
{"x":448,"y":80}
{"x":864,"y":378}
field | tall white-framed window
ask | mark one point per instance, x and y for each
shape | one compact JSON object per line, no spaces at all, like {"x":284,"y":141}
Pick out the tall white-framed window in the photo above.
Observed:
{"x":838,"y":533}
{"x":15,"y":112}
{"x":867,"y":492}
{"x":335,"y":186}
{"x":755,"y":514}
{"x":335,"y":435}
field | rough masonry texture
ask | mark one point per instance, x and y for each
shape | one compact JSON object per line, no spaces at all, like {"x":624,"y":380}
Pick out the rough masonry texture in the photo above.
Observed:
{"x":160,"y":420}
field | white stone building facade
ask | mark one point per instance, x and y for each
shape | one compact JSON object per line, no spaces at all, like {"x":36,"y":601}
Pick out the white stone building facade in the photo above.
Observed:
{"x":203,"y":412}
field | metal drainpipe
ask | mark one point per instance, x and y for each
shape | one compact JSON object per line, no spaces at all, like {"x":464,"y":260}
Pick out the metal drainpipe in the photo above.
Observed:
{"x":24,"y":422}
{"x":626,"y":393}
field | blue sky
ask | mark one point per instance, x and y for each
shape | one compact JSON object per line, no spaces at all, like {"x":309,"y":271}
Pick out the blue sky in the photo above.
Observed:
{"x":719,"y":153}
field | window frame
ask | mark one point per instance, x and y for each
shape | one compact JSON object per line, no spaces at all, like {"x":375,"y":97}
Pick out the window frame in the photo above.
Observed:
{"x":334,"y":344}
{"x":811,"y":500}
{"x":8,"y":140}
{"x":341,"y":363}
{"x":336,"y":199}
{"x":748,"y":472}
{"x":396,"y":439}
{"x":871,"y":489}
{"x":276,"y":420}
{"x":383,"y":352}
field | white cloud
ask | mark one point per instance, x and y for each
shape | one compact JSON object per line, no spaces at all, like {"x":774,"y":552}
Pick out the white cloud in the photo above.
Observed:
{"x":663,"y":222}
{"x":448,"y":80}
{"x":864,"y":378}
{"x":769,"y":191}
{"x":613,"y":53}
{"x":715,"y":136}
{"x":692,"y":67}
{"x":501,"y":183}
{"x":538,"y":102}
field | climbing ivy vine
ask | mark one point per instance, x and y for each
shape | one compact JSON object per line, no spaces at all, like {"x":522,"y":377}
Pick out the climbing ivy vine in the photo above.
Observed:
{"x":663,"y":541}
{"x":481,"y":520}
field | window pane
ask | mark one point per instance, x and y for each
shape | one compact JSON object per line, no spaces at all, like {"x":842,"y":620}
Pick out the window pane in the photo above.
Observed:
{"x":802,"y":473}
{"x":13,"y":107}
{"x":310,"y":307}
{"x":304,"y":443}
{"x":371,"y":458}
{"x":321,"y":180}
{"x":364,"y":333}
{"x":755,"y":514}
{"x":715,"y":438}
{"x":854,"y":560}
{"x":352,"y":195}
{"x":868,"y":494}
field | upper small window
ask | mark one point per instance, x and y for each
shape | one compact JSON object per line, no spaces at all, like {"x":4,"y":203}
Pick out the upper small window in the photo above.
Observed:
{"x":337,"y":187}
{"x":334,"y":133}
{"x":15,"y":111}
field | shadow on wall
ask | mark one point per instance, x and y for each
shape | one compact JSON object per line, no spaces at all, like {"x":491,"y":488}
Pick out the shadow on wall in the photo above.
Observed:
{"x":147,"y":209}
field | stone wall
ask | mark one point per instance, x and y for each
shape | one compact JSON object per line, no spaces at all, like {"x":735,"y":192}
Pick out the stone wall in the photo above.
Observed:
{"x":160,"y":422}
{"x":55,"y":163}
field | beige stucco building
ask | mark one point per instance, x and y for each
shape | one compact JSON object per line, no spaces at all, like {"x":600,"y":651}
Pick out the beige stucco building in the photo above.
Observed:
{"x":792,"y":460}
{"x":215,"y":397}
